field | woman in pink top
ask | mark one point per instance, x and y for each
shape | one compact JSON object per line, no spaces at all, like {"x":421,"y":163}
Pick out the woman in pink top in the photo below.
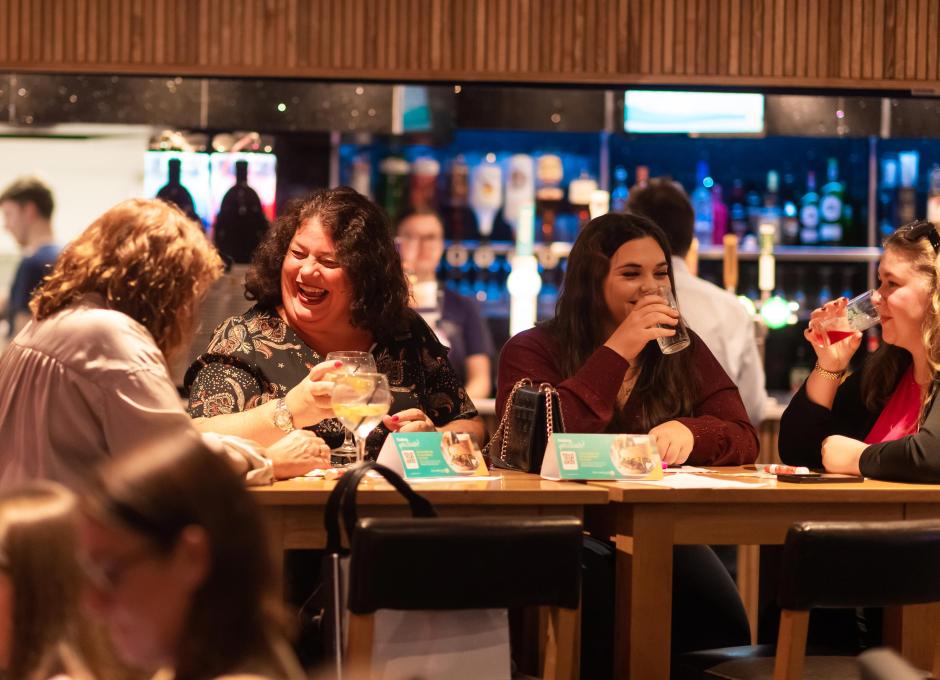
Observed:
{"x":880,"y":421}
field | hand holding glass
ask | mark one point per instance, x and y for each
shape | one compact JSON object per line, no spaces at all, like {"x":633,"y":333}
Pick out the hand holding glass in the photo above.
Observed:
{"x":859,"y":315}
{"x":353,"y":362}
{"x":359,"y":401}
{"x":679,"y":341}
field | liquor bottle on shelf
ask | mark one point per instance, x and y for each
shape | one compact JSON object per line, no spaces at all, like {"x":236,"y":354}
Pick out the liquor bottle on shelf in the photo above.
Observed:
{"x":887,"y":196}
{"x":933,"y":195}
{"x":458,"y":196}
{"x":642,"y":177}
{"x":771,"y":212}
{"x":174,"y":192}
{"x":799,"y":293}
{"x":809,"y":212}
{"x":789,"y":217}
{"x":393,"y":185}
{"x":907,"y":192}
{"x":423,"y":183}
{"x":579,"y":196}
{"x":486,"y":194}
{"x":754,"y":205}
{"x":550,"y":196}
{"x":240,"y":224}
{"x":847,"y":290}
{"x":702,"y":204}
{"x":738,"y":209}
{"x":831,"y":206}
{"x":619,"y":193}
{"x":360,"y":175}
{"x":720,"y":217}
{"x":520,"y":187}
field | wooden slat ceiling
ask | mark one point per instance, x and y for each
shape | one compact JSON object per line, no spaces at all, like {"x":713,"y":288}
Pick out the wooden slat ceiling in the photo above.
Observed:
{"x":789,"y":43}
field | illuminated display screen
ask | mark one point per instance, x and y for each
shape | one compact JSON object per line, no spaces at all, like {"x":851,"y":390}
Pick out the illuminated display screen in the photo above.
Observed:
{"x":648,"y":111}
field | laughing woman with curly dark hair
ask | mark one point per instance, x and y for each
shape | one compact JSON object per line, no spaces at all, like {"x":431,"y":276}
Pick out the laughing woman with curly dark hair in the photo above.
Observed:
{"x":327,"y":278}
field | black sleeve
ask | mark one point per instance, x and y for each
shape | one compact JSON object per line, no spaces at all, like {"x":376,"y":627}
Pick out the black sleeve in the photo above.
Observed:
{"x":805,"y":424}
{"x":915,"y":458}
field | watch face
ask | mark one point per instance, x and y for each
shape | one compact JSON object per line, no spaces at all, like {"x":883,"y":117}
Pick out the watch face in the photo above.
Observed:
{"x":282,"y":417}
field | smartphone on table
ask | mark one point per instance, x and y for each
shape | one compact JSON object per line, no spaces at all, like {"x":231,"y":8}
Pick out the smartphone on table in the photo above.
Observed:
{"x":820,"y":478}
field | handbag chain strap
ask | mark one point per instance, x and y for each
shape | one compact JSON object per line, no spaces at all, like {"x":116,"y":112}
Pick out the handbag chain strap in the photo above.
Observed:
{"x":502,"y":431}
{"x":549,"y":392}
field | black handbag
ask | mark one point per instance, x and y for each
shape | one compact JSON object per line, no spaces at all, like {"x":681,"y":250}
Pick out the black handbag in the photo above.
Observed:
{"x":531,"y":415}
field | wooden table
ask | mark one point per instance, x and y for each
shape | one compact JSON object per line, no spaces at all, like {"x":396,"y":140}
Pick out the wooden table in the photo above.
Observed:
{"x":646,"y":522}
{"x":293,"y":509}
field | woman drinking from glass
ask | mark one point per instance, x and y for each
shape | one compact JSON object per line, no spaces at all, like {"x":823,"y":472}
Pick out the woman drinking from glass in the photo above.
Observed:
{"x":882,"y":421}
{"x":599,"y":352}
{"x":326,"y":279}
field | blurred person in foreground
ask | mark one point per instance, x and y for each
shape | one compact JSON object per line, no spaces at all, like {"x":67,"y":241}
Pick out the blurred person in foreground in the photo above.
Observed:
{"x":42,"y":631}
{"x":327,"y":278}
{"x":87,"y":377}
{"x":455,"y":318}
{"x":27,"y":206}
{"x":178,"y":567}
{"x":713,"y":313}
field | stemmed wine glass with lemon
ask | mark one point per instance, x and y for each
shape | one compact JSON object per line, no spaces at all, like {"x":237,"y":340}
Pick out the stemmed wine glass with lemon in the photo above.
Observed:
{"x":360,"y":400}
{"x":353,"y":362}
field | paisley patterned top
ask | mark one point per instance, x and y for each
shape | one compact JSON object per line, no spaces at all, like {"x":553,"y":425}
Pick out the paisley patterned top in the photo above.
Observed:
{"x":256,"y":356}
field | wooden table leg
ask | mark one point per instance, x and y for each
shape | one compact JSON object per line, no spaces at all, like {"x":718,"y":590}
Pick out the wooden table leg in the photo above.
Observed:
{"x":643,"y":623}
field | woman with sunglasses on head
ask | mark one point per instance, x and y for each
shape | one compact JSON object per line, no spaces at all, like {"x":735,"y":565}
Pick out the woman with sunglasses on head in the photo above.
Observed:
{"x":178,"y":567}
{"x":878,"y":422}
{"x":42,"y":633}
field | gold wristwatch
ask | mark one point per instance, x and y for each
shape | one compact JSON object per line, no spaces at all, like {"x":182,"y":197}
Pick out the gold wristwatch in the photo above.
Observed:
{"x":283,"y":419}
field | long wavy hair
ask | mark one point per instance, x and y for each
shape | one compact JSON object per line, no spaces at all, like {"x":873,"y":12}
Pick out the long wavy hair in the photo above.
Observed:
{"x":146,"y":259}
{"x":37,"y":552}
{"x":666,"y":385}
{"x":883,"y":369}
{"x":157,"y":492}
{"x":362,"y":235}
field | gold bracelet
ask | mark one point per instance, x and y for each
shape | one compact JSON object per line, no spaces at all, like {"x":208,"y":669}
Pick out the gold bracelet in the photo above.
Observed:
{"x":829,"y":375}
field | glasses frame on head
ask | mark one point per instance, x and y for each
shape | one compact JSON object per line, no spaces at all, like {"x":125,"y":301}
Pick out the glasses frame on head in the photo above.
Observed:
{"x":917,"y":230}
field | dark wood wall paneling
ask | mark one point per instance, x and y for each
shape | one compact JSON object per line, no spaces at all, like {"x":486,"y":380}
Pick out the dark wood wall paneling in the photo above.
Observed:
{"x":791,"y":43}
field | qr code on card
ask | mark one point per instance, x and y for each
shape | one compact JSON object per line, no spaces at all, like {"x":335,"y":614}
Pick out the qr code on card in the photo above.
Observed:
{"x":411,"y":461}
{"x":569,"y":460}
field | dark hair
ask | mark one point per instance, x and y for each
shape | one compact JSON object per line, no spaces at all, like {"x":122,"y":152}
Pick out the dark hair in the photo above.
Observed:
{"x":30,"y":190}
{"x":362,"y":235}
{"x":665,"y":385}
{"x":664,"y":202}
{"x":418,"y":212}
{"x":160,"y":490}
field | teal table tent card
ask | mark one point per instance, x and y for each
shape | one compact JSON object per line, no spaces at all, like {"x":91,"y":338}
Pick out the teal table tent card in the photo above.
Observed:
{"x":601,"y":456}
{"x":423,"y":455}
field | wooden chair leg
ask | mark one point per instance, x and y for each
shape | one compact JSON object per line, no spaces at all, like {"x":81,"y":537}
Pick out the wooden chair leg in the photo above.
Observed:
{"x":561,"y":650}
{"x":791,"y":645}
{"x":935,"y":668}
{"x":359,"y":645}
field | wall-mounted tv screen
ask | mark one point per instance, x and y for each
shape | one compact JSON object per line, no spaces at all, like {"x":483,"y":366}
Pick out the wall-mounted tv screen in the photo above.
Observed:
{"x":665,"y":111}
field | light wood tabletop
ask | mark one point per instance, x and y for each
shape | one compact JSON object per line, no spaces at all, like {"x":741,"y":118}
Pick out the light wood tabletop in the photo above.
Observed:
{"x":645,"y":522}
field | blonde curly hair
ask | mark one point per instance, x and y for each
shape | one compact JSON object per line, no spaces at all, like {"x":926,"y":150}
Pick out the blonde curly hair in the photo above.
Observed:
{"x":146,"y":259}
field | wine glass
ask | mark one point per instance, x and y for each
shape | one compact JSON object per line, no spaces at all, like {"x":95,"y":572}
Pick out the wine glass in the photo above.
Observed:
{"x":353,"y":362}
{"x":359,"y":401}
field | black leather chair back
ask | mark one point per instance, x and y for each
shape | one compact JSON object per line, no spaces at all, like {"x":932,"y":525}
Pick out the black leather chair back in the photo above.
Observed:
{"x":465,"y":563}
{"x":854,"y":564}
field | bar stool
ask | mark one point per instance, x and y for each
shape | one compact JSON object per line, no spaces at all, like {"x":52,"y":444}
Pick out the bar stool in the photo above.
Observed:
{"x":499,"y":562}
{"x":835,"y":564}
